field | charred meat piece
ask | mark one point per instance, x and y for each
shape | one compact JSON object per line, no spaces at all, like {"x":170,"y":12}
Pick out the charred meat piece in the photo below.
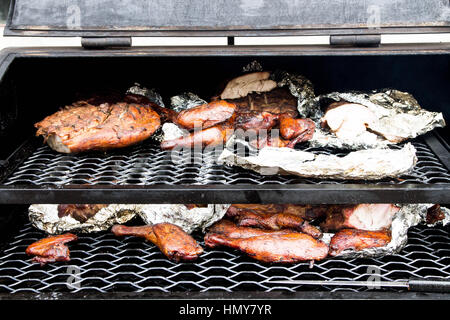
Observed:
{"x":272,"y":221}
{"x":256,"y":120}
{"x":434,"y":214}
{"x":51,"y":249}
{"x":291,"y":128}
{"x":362,"y":216}
{"x":80,"y":212}
{"x":82,"y":126}
{"x":205,"y":115}
{"x":212,"y":136}
{"x":277,"y":101}
{"x":252,"y":82}
{"x":277,"y":248}
{"x":348,"y":120}
{"x":262,"y":141}
{"x":173,"y":242}
{"x":229,"y":229}
{"x":353,"y":239}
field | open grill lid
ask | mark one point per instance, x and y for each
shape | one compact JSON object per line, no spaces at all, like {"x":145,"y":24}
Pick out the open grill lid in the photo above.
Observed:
{"x":110,"y":18}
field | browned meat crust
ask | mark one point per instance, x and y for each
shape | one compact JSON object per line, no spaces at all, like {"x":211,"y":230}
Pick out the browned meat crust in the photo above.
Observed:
{"x":435,"y":214}
{"x":173,"y":242}
{"x":272,"y":221}
{"x":82,"y":126}
{"x":80,"y":212}
{"x":205,"y":115}
{"x":307,"y":212}
{"x":354,"y":239}
{"x":275,"y":248}
{"x":51,"y":249}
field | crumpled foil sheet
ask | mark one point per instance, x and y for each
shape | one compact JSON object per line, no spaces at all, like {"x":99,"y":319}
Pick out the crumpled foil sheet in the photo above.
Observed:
{"x":185,"y":101}
{"x":299,"y":86}
{"x":151,"y":94}
{"x":398,"y":114}
{"x":189,"y":220}
{"x":408,"y":216}
{"x":373,"y":164}
{"x":45,"y":217}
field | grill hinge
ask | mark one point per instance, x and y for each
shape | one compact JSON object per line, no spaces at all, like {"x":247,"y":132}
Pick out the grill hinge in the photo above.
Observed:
{"x":104,"y":43}
{"x":360,"y":40}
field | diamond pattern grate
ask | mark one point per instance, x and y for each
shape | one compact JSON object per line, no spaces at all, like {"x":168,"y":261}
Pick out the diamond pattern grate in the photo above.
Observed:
{"x":110,"y":264}
{"x":146,"y":164}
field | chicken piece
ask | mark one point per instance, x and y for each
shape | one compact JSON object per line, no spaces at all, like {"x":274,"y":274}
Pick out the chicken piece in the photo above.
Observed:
{"x":272,"y":221}
{"x":229,"y":229}
{"x":262,"y":141}
{"x":51,"y":249}
{"x":348,"y":120}
{"x":80,"y":212}
{"x":173,"y":242}
{"x":353,"y":239}
{"x":243,"y":85}
{"x":362,"y":216}
{"x":434,"y":214}
{"x":212,"y":136}
{"x":256,"y":120}
{"x":278,"y":248}
{"x":291,"y":128}
{"x":83,"y":127}
{"x":205,"y":115}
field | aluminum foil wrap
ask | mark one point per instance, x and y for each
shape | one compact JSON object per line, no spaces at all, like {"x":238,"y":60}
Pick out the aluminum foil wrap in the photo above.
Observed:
{"x":189,"y":220}
{"x":151,"y":94}
{"x":397,"y":113}
{"x":408,"y":216}
{"x":185,"y":101}
{"x":373,"y":164}
{"x":45,"y":217}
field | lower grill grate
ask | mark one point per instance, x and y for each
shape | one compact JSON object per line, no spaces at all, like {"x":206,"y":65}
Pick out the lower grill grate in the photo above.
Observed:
{"x":102,"y":263}
{"x":147,"y":164}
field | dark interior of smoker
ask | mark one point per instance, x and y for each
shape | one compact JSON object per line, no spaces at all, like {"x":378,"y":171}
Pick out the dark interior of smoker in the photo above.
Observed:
{"x":36,"y":87}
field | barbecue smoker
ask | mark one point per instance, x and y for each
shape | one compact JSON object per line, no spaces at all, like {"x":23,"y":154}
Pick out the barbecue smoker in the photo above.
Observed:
{"x":36,"y":82}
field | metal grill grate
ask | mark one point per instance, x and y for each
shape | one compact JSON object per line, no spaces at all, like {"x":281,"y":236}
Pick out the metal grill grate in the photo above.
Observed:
{"x":108,"y":264}
{"x":146,"y":164}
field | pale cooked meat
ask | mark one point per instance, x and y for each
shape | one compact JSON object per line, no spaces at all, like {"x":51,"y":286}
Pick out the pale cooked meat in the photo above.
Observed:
{"x":243,"y":85}
{"x":83,"y":126}
{"x":362,"y":216}
{"x":348,"y":120}
{"x":353,"y":239}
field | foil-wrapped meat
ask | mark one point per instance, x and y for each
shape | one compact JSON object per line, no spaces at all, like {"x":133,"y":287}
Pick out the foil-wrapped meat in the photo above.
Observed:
{"x":354,"y":120}
{"x":55,"y":219}
{"x":83,"y":126}
{"x":369,"y":217}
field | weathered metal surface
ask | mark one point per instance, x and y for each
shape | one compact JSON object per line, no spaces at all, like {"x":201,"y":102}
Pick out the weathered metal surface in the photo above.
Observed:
{"x":227,"y":18}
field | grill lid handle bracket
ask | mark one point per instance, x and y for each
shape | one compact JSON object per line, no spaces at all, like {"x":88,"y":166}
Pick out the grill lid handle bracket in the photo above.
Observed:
{"x":360,"y":40}
{"x":103,"y":43}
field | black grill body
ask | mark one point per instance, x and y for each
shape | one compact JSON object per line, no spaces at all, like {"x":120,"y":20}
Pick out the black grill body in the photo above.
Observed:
{"x":37,"y":82}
